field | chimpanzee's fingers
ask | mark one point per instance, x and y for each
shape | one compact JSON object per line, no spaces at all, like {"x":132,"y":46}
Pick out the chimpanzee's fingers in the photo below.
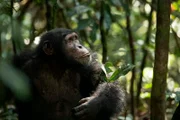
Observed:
{"x":84,"y":100}
{"x":79,"y":108}
{"x":81,"y":113}
{"x":84,"y":117}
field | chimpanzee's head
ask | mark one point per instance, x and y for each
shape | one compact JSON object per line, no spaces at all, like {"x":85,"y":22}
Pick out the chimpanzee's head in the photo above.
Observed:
{"x":63,"y":44}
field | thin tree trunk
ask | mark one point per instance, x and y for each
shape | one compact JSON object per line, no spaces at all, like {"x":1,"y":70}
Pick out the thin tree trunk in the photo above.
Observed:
{"x":23,"y":10}
{"x":0,"y":45}
{"x":48,"y":16}
{"x":12,"y":28}
{"x":32,"y":33}
{"x":145,"y":54}
{"x":158,"y":106}
{"x":103,"y":35}
{"x":64,"y":18}
{"x":132,"y":51}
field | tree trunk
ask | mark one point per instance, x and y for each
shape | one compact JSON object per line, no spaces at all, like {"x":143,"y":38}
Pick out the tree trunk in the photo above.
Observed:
{"x":49,"y":17}
{"x":0,"y":46}
{"x":132,"y":51}
{"x":158,"y":106}
{"x":12,"y":28}
{"x":103,"y":35}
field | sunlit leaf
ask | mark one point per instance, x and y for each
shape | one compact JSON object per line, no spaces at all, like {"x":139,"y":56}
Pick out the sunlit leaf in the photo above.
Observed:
{"x":147,"y":86}
{"x":123,"y":70}
{"x":145,"y":95}
{"x":115,"y":75}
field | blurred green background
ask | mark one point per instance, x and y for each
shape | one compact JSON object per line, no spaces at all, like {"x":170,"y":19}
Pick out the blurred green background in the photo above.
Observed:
{"x":122,"y":32}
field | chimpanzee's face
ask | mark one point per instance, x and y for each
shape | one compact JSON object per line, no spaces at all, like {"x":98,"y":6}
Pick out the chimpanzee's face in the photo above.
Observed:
{"x":64,"y":43}
{"x":74,"y":50}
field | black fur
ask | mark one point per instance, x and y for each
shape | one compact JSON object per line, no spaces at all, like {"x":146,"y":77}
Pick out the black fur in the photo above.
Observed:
{"x":112,"y":100}
{"x":59,"y":83}
{"x":176,"y":114}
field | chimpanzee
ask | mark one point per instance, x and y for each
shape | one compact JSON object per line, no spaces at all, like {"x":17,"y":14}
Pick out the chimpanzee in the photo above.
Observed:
{"x":67,"y":81}
{"x":176,"y":115}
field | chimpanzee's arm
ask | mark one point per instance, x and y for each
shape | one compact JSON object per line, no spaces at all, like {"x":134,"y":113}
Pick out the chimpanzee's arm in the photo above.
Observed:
{"x":176,"y":114}
{"x":107,"y":101}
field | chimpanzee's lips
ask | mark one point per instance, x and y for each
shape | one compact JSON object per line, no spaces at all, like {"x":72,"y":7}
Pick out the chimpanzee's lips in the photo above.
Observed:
{"x":85,"y":55}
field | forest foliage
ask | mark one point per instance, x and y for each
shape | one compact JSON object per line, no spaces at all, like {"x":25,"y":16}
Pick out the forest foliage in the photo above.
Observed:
{"x":121,"y":32}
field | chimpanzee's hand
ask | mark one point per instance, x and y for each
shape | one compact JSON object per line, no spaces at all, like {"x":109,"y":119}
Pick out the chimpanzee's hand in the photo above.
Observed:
{"x":88,"y":108}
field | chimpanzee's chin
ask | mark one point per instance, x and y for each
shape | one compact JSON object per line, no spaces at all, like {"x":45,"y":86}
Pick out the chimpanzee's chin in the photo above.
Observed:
{"x":85,"y":60}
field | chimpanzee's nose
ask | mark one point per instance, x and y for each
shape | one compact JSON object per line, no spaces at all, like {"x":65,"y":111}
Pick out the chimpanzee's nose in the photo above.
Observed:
{"x":80,"y":46}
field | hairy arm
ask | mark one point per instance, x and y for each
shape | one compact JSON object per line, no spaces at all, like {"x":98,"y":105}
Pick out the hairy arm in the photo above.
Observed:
{"x":107,"y":100}
{"x":176,"y":114}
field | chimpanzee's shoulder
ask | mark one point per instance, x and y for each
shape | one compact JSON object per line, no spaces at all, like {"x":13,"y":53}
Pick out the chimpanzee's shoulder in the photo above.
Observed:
{"x":20,"y":59}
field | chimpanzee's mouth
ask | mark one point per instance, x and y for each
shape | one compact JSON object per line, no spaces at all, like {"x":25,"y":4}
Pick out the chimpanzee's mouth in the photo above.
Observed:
{"x":85,"y":55}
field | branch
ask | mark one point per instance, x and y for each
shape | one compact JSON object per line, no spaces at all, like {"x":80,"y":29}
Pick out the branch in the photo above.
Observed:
{"x":65,"y":18}
{"x":12,"y":28}
{"x":0,"y":45}
{"x":132,"y":51}
{"x":103,"y":35}
{"x":48,"y":16}
{"x":23,"y":10}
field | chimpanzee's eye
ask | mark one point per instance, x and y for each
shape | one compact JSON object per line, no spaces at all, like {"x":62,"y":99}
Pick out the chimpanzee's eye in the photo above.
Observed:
{"x":76,"y":37}
{"x":64,"y":35}
{"x":70,"y":39}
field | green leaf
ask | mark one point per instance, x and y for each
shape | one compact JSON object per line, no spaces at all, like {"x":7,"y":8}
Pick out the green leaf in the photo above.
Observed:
{"x":116,"y":2}
{"x":177,"y":98}
{"x":107,"y":17}
{"x":123,"y":70}
{"x":5,"y":8}
{"x":107,"y":67}
{"x":126,"y":68}
{"x":147,"y":86}
{"x":83,"y":23}
{"x":78,"y":10}
{"x":17,"y":36}
{"x":8,"y":115}
{"x":39,"y":1}
{"x":15,"y":80}
{"x":125,"y":6}
{"x":103,"y":77}
{"x":94,"y":31}
{"x":115,"y":75}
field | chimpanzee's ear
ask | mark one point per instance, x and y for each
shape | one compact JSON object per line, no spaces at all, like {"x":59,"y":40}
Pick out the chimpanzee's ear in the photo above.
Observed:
{"x":48,"y":48}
